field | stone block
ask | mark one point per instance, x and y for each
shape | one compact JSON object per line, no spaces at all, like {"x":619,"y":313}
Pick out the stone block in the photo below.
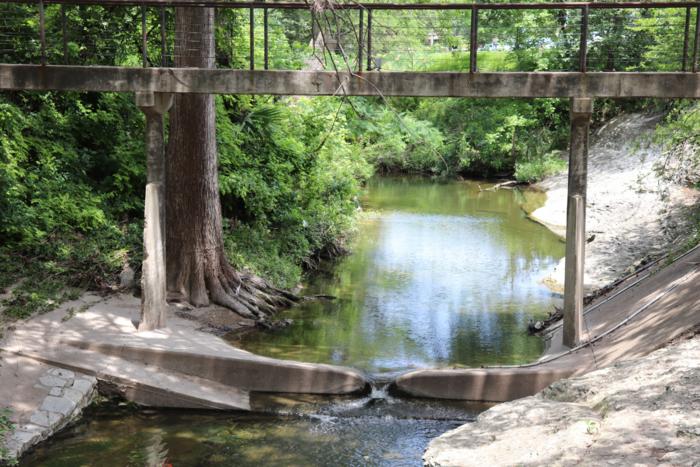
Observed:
{"x":61,"y":373}
{"x":55,"y":391}
{"x":83,"y":385}
{"x":55,"y":419}
{"x":52,"y":381}
{"x":40,"y":418}
{"x":26,"y":438}
{"x":74,"y":395}
{"x":60,"y":405}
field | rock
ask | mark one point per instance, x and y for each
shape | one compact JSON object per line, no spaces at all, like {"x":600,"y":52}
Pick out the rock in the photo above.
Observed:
{"x":60,"y":405}
{"x":73,"y":395}
{"x":246,"y":322}
{"x":52,"y":381}
{"x":525,"y":433}
{"x":637,"y":412}
{"x":55,"y":391}
{"x":61,"y":373}
{"x":83,"y":385}
{"x":40,"y":417}
{"x":127,"y":277}
{"x":26,"y":437}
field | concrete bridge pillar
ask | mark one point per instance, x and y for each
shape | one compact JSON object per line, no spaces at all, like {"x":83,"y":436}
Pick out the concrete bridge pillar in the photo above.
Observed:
{"x":153,"y":285}
{"x":581,"y":110}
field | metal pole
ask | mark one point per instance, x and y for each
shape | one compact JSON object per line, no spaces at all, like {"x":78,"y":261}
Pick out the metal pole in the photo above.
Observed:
{"x":251,"y":31}
{"x":64,"y":28}
{"x":369,"y":40}
{"x":266,"y":39}
{"x":163,"y":39}
{"x":42,"y":32}
{"x":473,"y":37}
{"x":144,"y":37}
{"x":581,"y":110}
{"x":686,"y":40}
{"x":360,"y":40}
{"x":583,"y":45}
{"x":697,"y":40}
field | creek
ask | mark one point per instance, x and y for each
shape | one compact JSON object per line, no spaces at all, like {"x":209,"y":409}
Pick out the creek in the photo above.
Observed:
{"x":442,"y":274}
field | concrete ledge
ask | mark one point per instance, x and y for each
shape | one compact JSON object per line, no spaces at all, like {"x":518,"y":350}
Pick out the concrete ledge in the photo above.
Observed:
{"x":140,"y":384}
{"x":488,"y":384}
{"x":250,"y":372}
{"x":320,"y":83}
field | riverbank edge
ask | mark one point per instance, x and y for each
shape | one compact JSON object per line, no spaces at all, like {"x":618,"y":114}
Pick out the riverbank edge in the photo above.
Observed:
{"x":57,"y":400}
{"x":622,"y":167}
{"x":628,"y":411}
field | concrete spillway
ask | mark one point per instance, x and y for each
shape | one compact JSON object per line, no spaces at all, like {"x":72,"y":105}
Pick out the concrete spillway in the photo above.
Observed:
{"x":184,"y":367}
{"x":177,"y":367}
{"x":641,"y":315}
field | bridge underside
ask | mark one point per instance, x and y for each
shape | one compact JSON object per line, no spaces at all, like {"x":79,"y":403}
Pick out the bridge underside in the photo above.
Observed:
{"x":328,"y":83}
{"x":153,"y":88}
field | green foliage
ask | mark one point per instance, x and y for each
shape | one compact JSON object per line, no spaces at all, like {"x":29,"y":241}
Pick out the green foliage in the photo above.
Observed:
{"x":537,"y":169}
{"x":679,"y":134}
{"x":289,"y":177}
{"x":486,"y":137}
{"x":6,"y":428}
{"x":72,"y":168}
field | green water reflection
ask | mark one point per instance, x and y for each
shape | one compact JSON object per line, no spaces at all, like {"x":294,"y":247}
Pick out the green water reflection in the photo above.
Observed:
{"x":441,"y":274}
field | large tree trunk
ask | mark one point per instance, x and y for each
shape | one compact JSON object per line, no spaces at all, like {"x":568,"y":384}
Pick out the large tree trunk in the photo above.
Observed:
{"x":197,"y":269}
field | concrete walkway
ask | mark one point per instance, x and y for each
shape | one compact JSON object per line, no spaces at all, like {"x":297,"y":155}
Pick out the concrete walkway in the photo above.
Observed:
{"x":176,"y":367}
{"x":667,"y":302}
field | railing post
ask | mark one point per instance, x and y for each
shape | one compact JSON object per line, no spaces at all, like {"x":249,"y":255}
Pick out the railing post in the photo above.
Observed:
{"x":686,"y":39}
{"x":581,"y":110}
{"x":583,"y":44}
{"x":42,"y":32}
{"x":144,"y":37}
{"x":473,"y":39}
{"x":163,"y":39}
{"x":64,"y":29}
{"x":251,"y":34}
{"x":697,"y":39}
{"x":360,"y":40}
{"x":369,"y":40}
{"x":266,"y":46}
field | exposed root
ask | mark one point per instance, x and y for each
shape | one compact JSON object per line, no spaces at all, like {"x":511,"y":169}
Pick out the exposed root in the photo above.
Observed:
{"x":211,"y":279}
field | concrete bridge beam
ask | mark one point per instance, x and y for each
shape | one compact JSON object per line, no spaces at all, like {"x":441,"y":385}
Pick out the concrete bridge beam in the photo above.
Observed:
{"x":153,"y":283}
{"x":581,"y":110}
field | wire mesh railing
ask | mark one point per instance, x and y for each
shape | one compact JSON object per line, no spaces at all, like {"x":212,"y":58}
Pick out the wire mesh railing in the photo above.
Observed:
{"x":355,"y":37}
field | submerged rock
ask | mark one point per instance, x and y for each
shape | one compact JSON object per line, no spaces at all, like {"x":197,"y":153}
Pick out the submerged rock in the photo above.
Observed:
{"x":644,"y":411}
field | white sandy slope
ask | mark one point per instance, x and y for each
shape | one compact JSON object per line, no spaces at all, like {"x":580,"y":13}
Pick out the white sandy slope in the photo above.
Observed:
{"x":632,"y":212}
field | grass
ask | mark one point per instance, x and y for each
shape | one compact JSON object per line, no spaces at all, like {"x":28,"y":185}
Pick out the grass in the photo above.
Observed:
{"x":425,"y":60}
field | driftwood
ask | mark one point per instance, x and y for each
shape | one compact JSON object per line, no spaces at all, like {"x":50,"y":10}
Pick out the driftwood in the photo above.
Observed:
{"x":507,"y":184}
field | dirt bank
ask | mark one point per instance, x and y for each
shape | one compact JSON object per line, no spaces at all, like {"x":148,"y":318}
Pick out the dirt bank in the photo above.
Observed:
{"x":632,"y":213}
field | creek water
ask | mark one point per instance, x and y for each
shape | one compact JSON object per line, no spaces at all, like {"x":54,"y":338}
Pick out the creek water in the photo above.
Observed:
{"x":442,"y":274}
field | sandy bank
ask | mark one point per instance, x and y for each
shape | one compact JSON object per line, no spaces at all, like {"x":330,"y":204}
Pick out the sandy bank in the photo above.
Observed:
{"x":632,"y":213}
{"x":637,"y":412}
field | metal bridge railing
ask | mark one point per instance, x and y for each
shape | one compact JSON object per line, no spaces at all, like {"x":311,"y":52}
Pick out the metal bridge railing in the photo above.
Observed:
{"x":473,"y":37}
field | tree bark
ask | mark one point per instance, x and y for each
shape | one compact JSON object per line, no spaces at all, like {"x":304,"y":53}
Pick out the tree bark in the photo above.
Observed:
{"x":197,"y":268}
